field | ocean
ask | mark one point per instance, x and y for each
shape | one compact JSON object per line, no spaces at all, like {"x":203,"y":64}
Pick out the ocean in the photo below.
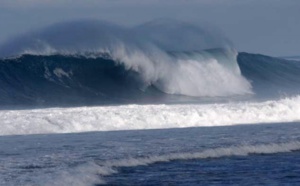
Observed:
{"x":255,"y":154}
{"x":93,"y":103}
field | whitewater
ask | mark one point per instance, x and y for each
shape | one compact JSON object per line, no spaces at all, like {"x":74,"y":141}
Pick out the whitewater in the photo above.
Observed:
{"x":133,"y":117}
{"x":162,"y":103}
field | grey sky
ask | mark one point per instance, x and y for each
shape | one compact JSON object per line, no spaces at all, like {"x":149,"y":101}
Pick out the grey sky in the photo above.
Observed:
{"x":259,"y":26}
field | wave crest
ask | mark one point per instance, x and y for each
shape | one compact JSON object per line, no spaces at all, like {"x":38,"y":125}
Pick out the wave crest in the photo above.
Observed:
{"x":93,"y":172}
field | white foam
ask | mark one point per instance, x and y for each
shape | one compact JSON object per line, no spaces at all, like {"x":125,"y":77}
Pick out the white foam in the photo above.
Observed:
{"x":86,"y":174}
{"x":129,"y":117}
{"x":61,"y":73}
{"x":92,"y":173}
{"x":198,"y":74}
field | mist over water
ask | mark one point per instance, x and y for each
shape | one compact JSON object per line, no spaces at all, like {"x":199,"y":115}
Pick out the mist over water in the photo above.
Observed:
{"x":86,"y":36}
{"x":174,"y":57}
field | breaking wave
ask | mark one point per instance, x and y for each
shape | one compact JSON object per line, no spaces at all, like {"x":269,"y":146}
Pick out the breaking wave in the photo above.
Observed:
{"x":43,"y":79}
{"x":97,"y":61}
{"x":94,"y":62}
{"x":130,"y":117}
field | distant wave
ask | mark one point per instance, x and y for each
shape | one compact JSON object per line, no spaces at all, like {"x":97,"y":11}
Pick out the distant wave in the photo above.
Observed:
{"x":94,"y":172}
{"x":130,"y":117}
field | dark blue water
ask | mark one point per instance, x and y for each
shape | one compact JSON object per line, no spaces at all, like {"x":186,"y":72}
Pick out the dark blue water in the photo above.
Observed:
{"x":237,"y":155}
{"x":272,"y":169}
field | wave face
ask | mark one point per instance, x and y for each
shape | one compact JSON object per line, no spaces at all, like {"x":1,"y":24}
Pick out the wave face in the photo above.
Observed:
{"x":270,"y":76}
{"x":66,"y":79}
{"x":92,"y":62}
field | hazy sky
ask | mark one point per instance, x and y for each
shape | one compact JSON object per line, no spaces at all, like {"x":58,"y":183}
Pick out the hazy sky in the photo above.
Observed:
{"x":269,"y":27}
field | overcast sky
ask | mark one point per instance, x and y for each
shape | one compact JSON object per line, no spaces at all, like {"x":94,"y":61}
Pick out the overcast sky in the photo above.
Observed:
{"x":269,"y":27}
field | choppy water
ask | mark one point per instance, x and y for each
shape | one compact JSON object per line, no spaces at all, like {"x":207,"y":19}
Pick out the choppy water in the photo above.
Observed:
{"x":94,"y":76}
{"x":234,"y":155}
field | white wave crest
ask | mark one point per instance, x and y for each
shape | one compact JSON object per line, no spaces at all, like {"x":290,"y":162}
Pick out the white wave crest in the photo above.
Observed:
{"x":210,"y":153}
{"x":197,"y":74}
{"x":129,"y":117}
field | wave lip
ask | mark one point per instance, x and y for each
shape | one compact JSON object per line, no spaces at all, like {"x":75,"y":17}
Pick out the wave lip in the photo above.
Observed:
{"x":133,"y":117}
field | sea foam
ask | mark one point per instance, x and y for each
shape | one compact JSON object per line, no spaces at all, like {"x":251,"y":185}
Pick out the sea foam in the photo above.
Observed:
{"x":132,"y":117}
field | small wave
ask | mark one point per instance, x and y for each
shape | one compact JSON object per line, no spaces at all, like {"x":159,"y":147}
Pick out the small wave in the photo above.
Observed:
{"x":210,"y":153}
{"x":95,"y":172}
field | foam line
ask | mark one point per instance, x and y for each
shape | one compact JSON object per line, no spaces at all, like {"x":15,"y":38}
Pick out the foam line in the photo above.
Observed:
{"x":93,"y":172}
{"x":131,"y":117}
{"x":210,"y":153}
